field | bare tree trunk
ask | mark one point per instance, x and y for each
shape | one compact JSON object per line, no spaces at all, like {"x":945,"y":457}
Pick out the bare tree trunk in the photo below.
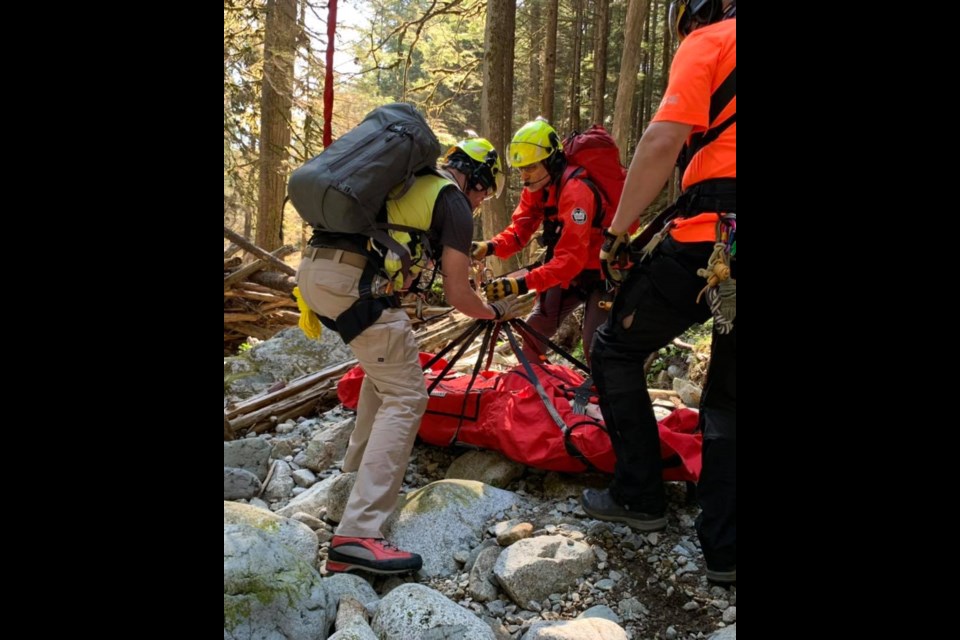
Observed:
{"x":602,"y":33}
{"x":623,"y":110}
{"x":575,"y":79}
{"x":276,"y":92}
{"x":536,"y":60}
{"x":648,"y":67}
{"x":668,"y":49}
{"x":667,"y":52}
{"x":549,"y":61}
{"x":496,"y":102}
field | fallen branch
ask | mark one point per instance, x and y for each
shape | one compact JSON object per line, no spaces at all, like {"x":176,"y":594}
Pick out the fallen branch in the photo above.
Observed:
{"x":233,"y":236}
{"x":248,"y":270}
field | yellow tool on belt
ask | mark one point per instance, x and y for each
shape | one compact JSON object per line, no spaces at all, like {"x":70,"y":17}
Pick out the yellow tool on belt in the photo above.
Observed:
{"x":309,"y":322}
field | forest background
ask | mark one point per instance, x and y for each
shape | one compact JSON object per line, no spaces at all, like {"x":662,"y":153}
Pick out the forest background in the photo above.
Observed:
{"x":486,"y":65}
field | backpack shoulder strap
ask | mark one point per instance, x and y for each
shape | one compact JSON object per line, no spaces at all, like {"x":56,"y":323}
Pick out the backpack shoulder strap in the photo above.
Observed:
{"x":720,"y":98}
{"x":579,"y":174}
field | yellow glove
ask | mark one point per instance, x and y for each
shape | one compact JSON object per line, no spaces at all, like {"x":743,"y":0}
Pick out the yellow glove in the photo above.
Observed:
{"x":480,"y":250}
{"x":507,"y":309}
{"x":615,"y":256}
{"x":503,"y":287}
{"x":309,"y":322}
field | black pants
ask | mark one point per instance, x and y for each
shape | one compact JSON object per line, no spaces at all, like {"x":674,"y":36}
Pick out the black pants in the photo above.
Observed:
{"x":555,"y":304}
{"x":655,"y":304}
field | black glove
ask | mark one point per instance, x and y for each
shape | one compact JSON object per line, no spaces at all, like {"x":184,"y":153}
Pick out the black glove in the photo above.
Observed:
{"x":503,"y":287}
{"x":615,"y":256}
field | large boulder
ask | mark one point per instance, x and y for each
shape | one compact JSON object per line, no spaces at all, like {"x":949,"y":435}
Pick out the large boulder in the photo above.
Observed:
{"x":287,"y":355}
{"x":534,"y":568}
{"x":415,"y":611}
{"x":296,"y":535}
{"x":444,"y":517}
{"x":268,"y":590}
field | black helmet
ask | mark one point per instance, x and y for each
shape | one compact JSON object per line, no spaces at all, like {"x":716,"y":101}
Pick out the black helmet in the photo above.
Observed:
{"x":687,"y":15}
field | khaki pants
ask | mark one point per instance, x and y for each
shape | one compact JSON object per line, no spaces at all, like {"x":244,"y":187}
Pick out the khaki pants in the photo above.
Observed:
{"x":393,"y":397}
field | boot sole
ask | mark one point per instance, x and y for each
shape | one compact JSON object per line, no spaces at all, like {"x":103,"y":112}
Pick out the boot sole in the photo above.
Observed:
{"x":346,"y":567}
{"x":722,"y":577}
{"x":640,"y":525}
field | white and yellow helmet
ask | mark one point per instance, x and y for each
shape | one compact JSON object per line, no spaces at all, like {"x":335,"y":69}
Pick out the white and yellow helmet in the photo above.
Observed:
{"x":477,"y":159}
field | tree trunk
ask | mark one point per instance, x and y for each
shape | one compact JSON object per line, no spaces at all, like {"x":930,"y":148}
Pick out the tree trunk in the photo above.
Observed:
{"x":536,"y":60}
{"x":276,"y":91}
{"x":668,"y":50}
{"x":549,"y":61}
{"x":648,"y":56}
{"x":575,"y":76}
{"x":602,"y":33}
{"x":629,"y":65}
{"x":496,"y":103}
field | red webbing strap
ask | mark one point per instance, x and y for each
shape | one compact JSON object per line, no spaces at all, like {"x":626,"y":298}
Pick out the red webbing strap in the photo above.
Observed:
{"x":328,"y":78}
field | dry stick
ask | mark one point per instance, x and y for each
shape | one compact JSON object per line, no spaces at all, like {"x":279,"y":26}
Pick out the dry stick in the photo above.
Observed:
{"x":259,"y":288}
{"x":292,"y":388}
{"x":239,"y":317}
{"x":248,"y":294}
{"x":246,"y":271}
{"x":233,"y":236}
{"x":662,"y":393}
{"x":274,"y":280}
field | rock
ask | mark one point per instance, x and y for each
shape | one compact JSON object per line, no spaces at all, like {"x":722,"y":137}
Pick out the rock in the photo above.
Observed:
{"x":252,"y":455}
{"x":268,"y":591}
{"x":239,"y":484}
{"x":416,"y":611}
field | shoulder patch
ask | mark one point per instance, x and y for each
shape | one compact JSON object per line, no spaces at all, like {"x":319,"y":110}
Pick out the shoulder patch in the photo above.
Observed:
{"x":579,"y":215}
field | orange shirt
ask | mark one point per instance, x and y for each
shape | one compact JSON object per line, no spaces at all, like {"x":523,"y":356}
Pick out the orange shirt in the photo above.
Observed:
{"x":701,"y":64}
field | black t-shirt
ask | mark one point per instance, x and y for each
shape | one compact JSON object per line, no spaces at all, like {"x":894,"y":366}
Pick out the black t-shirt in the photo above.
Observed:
{"x":452,"y":222}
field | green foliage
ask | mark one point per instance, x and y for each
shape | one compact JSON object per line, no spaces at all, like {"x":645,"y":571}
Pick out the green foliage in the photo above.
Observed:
{"x":422,"y":51}
{"x":242,"y":68}
{"x":698,"y":335}
{"x":578,"y":351}
{"x":428,"y":54}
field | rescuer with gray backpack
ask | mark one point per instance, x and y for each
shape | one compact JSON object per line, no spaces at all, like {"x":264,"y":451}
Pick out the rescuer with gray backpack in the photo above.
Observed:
{"x":381,"y":211}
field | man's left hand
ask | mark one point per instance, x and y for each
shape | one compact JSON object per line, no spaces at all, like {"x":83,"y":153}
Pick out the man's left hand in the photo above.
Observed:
{"x":503,"y":287}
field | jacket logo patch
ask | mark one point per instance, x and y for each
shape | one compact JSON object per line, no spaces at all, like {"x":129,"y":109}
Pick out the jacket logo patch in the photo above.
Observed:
{"x":579,"y":215}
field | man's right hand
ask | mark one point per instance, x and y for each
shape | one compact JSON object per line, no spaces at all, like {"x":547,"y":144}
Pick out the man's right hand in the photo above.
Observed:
{"x":480,"y":250}
{"x":615,"y":256}
{"x":507,"y":308}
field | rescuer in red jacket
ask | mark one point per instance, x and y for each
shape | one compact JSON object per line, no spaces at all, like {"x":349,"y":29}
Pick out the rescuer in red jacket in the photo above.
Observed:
{"x":570,"y":273}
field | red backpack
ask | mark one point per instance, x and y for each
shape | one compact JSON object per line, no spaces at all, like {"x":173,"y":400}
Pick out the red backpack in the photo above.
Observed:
{"x":595,"y":152}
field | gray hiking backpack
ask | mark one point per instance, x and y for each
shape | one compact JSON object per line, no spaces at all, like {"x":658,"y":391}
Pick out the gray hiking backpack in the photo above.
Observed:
{"x":344,"y":188}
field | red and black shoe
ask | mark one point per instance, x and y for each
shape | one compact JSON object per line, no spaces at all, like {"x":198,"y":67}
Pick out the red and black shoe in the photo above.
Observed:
{"x":375,"y":555}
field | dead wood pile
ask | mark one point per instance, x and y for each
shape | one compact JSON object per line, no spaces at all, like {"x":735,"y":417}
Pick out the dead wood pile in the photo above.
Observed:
{"x":257,"y":289}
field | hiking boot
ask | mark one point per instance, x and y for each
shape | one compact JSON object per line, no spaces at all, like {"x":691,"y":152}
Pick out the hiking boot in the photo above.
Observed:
{"x":722,"y":577}
{"x":375,"y":555}
{"x":602,"y":506}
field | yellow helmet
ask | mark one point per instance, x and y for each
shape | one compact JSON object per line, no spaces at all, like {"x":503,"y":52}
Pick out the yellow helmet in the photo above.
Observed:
{"x":533,"y":142}
{"x":477,"y":159}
